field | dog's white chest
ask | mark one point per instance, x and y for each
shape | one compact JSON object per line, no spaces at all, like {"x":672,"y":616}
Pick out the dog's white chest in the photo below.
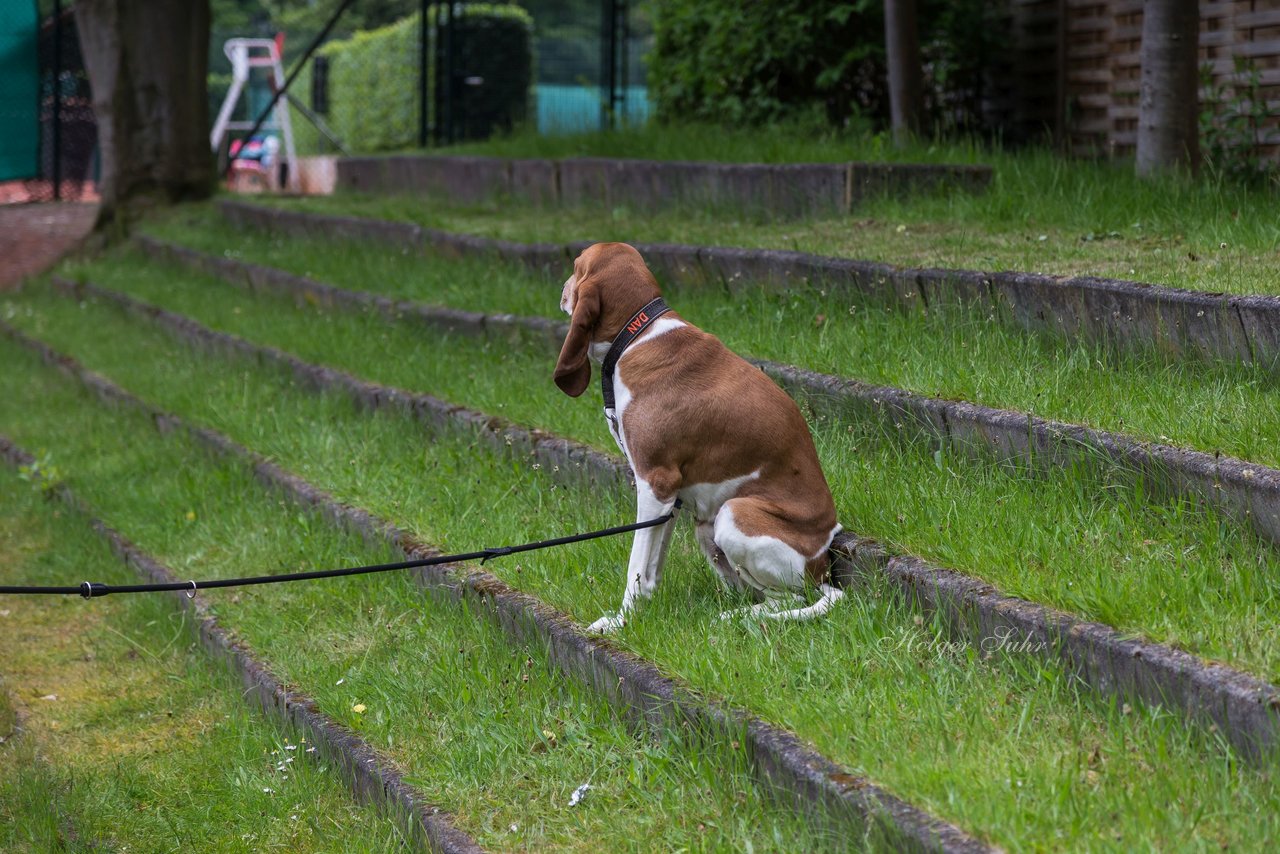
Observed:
{"x":621,"y":398}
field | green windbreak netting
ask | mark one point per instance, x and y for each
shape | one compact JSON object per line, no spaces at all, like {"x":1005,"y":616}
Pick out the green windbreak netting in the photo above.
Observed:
{"x":19,"y":89}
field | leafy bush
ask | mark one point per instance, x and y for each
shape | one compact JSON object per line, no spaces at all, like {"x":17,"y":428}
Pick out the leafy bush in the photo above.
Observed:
{"x":754,"y":63}
{"x":1234,"y":116}
{"x":373,"y":79}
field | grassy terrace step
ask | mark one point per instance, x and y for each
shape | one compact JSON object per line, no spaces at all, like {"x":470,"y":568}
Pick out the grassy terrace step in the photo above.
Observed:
{"x":367,"y":772}
{"x":1071,"y":538}
{"x":1124,"y":315}
{"x":1040,"y":213}
{"x":1136,"y":255}
{"x":939,"y":725}
{"x":479,"y":723}
{"x":956,"y":354}
{"x":821,"y":790}
{"x":128,"y":738}
{"x":1246,"y":491}
{"x":1246,"y":710}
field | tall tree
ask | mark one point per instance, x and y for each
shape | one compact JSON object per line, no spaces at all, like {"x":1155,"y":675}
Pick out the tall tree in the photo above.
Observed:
{"x":902,"y":50}
{"x":148,"y":61}
{"x":1168,"y":108}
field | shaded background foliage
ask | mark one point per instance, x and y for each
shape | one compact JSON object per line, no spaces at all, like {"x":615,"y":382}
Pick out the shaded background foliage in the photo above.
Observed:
{"x":814,"y":60}
{"x":991,"y":70}
{"x":723,"y":61}
{"x":821,"y":62}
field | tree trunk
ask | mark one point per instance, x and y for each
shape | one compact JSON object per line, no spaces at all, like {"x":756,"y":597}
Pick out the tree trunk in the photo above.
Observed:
{"x":1168,"y":103}
{"x":902,"y":46}
{"x":148,"y":67}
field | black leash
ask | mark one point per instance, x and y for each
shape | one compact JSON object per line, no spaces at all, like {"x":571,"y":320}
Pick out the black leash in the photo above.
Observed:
{"x":94,"y":589}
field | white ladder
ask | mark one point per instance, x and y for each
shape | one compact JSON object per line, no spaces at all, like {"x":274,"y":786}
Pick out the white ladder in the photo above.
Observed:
{"x":246,"y":54}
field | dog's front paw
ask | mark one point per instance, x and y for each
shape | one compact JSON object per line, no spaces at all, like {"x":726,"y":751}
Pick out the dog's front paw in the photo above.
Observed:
{"x":607,"y":624}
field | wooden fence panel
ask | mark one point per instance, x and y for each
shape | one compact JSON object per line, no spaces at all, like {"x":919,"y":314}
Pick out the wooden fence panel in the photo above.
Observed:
{"x":1077,"y":68}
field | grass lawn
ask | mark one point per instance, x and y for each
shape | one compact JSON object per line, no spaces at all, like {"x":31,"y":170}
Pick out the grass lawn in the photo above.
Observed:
{"x":1010,"y":749}
{"x":1042,"y":213}
{"x":132,"y":738}
{"x":1083,"y":541}
{"x":483,"y":728}
{"x":955,"y":353}
{"x":777,"y":144}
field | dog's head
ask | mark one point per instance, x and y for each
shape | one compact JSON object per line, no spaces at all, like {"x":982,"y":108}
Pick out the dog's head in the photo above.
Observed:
{"x":610,"y":282}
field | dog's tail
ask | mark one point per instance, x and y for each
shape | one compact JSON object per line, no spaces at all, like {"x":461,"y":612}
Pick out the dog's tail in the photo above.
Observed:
{"x":830,"y":596}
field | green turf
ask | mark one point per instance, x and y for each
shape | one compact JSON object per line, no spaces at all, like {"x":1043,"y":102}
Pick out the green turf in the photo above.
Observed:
{"x":1007,"y":747}
{"x":783,"y":143}
{"x":1085,"y":542}
{"x":133,"y":739}
{"x":484,"y":728}
{"x":955,"y":353}
{"x":1041,"y":214}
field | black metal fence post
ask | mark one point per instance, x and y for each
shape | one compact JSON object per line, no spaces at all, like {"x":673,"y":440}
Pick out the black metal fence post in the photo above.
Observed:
{"x":608,"y":61}
{"x":444,"y":73}
{"x":623,"y":36}
{"x":423,"y":58}
{"x":57,"y":100}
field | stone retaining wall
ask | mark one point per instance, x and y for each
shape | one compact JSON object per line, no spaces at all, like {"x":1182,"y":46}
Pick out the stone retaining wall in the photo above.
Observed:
{"x":779,"y":190}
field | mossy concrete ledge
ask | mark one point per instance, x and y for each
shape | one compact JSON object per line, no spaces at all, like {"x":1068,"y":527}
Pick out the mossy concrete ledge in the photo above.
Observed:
{"x":1244,"y":708}
{"x":785,"y":190}
{"x":818,"y":787}
{"x":1123,"y":314}
{"x":371,"y":776}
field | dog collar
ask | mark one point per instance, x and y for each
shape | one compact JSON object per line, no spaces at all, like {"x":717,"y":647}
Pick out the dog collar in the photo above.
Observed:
{"x":638,"y":323}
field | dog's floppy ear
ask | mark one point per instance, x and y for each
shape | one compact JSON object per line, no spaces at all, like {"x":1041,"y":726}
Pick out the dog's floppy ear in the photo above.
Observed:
{"x":573,"y":370}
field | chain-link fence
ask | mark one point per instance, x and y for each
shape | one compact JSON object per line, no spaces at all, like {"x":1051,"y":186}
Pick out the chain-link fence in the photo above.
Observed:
{"x":48,"y":145}
{"x":437,"y":74}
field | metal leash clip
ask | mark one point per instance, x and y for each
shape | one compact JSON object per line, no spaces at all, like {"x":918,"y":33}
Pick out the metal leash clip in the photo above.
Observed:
{"x":93,"y":589}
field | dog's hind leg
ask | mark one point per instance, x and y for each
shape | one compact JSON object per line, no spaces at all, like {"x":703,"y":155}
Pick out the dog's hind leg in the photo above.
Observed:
{"x":729,"y":577}
{"x":830,"y":596}
{"x":767,"y":563}
{"x":774,"y":600}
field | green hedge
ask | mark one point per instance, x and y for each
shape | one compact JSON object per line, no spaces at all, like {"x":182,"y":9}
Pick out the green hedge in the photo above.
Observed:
{"x":373,"y":80}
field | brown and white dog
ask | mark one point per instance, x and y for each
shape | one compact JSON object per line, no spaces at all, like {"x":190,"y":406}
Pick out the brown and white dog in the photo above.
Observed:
{"x":701,"y":424}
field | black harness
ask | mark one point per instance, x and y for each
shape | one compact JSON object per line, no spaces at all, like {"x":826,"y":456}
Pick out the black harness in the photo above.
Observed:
{"x":638,"y":323}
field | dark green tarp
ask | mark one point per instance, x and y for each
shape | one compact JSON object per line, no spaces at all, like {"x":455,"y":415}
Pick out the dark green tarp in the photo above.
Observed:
{"x":19,"y":90}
